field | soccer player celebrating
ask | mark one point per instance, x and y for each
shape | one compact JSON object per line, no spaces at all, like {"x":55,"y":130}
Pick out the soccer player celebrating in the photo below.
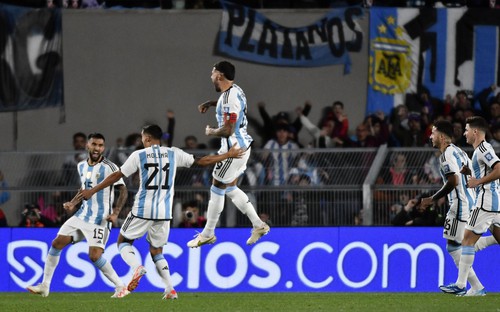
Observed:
{"x":92,"y":221}
{"x":231,"y":109}
{"x":486,"y":172}
{"x":152,"y":210}
{"x":460,"y":198}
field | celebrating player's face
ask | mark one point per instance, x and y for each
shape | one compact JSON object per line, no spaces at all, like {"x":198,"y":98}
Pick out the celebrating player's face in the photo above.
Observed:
{"x":215,"y":79}
{"x":435,"y":137}
{"x":95,"y":148}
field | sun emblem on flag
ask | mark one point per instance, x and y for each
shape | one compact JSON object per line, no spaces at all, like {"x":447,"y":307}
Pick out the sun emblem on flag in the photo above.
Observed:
{"x":390,"y":62}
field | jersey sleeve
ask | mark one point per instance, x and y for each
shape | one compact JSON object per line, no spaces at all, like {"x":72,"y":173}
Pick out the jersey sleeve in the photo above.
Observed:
{"x":182,"y":158}
{"x":449,"y":164}
{"x":131,"y":165}
{"x":488,"y":156}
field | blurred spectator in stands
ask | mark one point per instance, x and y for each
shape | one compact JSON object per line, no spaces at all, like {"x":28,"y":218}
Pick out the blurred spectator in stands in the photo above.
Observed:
{"x":458,"y":134}
{"x":431,"y":168}
{"x":341,"y":122}
{"x":363,"y":138}
{"x":191,"y":217}
{"x":279,"y":157}
{"x":308,"y":164}
{"x":69,"y":175}
{"x":71,"y":4}
{"x":87,"y":4}
{"x":411,"y":137}
{"x":191,"y":143}
{"x":414,"y":214}
{"x":461,"y":102}
{"x":322,"y":137}
{"x":51,"y":4}
{"x":495,"y":132}
{"x":398,"y":171}
{"x":267,"y":129}
{"x":32,"y":217}
{"x":168,"y":137}
{"x":4,"y":197}
{"x":378,"y":127}
{"x":490,"y":106}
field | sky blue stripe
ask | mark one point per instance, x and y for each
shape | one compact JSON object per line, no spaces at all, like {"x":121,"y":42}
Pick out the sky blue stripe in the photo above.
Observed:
{"x":486,"y":64}
{"x":437,"y":87}
{"x":158,"y":178}
{"x":143,"y":190}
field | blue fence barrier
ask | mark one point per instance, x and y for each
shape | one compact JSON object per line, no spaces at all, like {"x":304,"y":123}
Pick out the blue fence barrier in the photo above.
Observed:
{"x":339,"y":259}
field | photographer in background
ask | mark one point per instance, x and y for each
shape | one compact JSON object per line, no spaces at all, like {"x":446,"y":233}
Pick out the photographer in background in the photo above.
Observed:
{"x":32,"y":217}
{"x":415,"y":214}
{"x":191,"y":216}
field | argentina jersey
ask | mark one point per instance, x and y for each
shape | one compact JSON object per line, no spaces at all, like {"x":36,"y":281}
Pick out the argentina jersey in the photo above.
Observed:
{"x":98,"y":207}
{"x":233,"y":101}
{"x":461,"y":199}
{"x":483,"y":160}
{"x":157,"y":167}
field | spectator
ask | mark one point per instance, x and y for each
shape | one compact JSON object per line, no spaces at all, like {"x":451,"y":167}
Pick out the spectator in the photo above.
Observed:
{"x":458,"y":134}
{"x":398,"y":171}
{"x":191,"y":215}
{"x":363,"y":138}
{"x":415,"y":214}
{"x":32,"y":217}
{"x":495,"y":132}
{"x":168,"y":137}
{"x":191,"y":143}
{"x":378,"y":127}
{"x":4,"y":197}
{"x":322,"y":136}
{"x":279,"y":159}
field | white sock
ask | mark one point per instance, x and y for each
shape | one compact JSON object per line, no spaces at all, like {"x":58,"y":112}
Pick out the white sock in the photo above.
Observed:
{"x":485,"y":241}
{"x":472,"y":278}
{"x":466,"y":261}
{"x":128,"y":255}
{"x":162,"y":268}
{"x":50,"y":265}
{"x":108,"y":271}
{"x":215,"y":207}
{"x":241,"y":201}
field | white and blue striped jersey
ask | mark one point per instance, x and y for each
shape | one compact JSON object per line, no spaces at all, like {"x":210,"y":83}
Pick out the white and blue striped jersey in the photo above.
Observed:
{"x":483,"y":160}
{"x":234,"y":101}
{"x":157,"y":167}
{"x":282,"y":160}
{"x":98,"y":207}
{"x":461,"y":199}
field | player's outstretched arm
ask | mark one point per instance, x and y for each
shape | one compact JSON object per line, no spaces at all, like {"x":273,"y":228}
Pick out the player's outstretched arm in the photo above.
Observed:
{"x":234,"y":152}
{"x":111,"y":179}
{"x":203,"y":107}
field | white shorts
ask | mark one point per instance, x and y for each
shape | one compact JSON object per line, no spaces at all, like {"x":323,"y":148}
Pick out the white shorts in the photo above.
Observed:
{"x":158,"y":230}
{"x":96,"y":235}
{"x":480,"y":220}
{"x":228,"y":170}
{"x":453,"y":228}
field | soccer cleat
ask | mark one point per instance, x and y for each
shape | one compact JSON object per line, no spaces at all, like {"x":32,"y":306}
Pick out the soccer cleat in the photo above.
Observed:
{"x":167,"y":295}
{"x":453,"y":289}
{"x":40,"y":289}
{"x":258,"y":233}
{"x":138,"y":274}
{"x":199,"y":241}
{"x":120,"y":292}
{"x":475,"y":293}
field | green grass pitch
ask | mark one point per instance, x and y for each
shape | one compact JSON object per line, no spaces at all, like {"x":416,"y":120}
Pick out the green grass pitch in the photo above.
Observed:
{"x":233,"y":302}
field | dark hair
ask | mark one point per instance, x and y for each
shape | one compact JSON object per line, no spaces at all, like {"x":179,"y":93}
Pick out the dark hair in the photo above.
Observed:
{"x":226,"y":68}
{"x":477,"y":122}
{"x":79,"y":135}
{"x":154,"y":131}
{"x":338,"y":103}
{"x":96,"y":135}
{"x":445,"y":127}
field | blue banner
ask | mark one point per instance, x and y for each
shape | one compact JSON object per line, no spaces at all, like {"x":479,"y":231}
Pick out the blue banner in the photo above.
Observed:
{"x":30,"y":58}
{"x":439,"y":50}
{"x":248,"y":35}
{"x":345,"y":259}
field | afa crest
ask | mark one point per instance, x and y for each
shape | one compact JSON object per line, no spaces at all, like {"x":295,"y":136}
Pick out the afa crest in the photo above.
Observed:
{"x":390,"y":65}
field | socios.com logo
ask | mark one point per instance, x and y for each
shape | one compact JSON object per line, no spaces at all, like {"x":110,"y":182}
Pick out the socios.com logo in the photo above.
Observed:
{"x":20,"y":255}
